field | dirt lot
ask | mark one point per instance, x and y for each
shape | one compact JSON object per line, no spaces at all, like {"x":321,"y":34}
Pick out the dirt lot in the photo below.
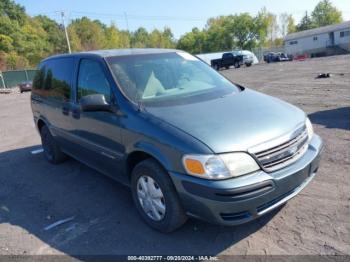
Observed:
{"x":34,"y":194}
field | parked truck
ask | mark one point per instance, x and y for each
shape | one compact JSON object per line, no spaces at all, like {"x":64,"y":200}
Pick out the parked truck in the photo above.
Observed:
{"x":228,"y":59}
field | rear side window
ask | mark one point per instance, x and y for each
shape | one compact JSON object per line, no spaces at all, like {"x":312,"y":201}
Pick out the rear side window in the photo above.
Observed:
{"x":92,"y":79}
{"x":39,"y":78}
{"x":54,"y":78}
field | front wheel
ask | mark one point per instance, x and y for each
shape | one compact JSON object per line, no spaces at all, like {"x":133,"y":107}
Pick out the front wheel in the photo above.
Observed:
{"x":155,"y":197}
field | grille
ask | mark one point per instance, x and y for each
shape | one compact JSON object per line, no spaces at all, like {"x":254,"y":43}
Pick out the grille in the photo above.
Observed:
{"x":284,"y":154}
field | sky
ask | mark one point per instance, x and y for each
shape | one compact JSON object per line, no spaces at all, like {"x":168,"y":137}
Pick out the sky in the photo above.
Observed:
{"x":181,"y":15}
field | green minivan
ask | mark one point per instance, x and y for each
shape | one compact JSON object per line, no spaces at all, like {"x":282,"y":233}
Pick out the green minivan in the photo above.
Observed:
{"x":187,"y":141}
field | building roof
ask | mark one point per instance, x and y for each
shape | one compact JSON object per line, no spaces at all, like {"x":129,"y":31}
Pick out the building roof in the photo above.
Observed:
{"x":118,"y":52}
{"x":317,"y":31}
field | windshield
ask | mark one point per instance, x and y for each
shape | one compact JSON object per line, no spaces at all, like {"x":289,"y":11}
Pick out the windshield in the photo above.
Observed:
{"x":176,"y":77}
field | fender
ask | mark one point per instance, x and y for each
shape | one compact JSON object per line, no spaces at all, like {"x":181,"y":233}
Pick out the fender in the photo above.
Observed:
{"x":154,"y":151}
{"x":41,"y":118}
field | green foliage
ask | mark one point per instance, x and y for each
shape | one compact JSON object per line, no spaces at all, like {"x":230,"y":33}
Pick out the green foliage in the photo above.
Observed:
{"x":244,"y":31}
{"x":306,"y":23}
{"x":291,"y":27}
{"x":287,"y":24}
{"x":25,"y":40}
{"x":14,"y":61}
{"x":157,"y":38}
{"x":13,"y":11}
{"x":241,"y":31}
{"x":5,"y":43}
{"x":193,"y":42}
{"x":90,"y":34}
{"x":114,"y":38}
{"x":326,"y":14}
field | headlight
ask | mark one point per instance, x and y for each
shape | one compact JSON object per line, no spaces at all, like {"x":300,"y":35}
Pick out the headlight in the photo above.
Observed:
{"x":219,"y":166}
{"x":309,"y":128}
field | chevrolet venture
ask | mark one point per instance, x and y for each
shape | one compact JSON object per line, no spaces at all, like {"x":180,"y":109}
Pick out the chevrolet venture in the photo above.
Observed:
{"x":186,"y":140}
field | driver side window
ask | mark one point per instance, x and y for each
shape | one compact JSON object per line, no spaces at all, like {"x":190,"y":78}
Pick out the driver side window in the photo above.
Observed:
{"x":92,"y":80}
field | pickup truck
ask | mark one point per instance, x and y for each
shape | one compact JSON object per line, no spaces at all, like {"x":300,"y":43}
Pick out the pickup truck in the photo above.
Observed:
{"x":228,"y":59}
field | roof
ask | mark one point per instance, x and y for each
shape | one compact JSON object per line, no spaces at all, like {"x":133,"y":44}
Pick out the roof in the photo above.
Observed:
{"x":118,"y":52}
{"x":317,"y":31}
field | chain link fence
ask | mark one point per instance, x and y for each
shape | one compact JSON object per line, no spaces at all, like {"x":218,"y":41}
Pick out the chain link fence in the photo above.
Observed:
{"x":12,"y":78}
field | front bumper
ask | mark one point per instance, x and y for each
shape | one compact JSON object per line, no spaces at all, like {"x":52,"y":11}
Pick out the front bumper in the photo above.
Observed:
{"x":242,"y":199}
{"x":248,"y":61}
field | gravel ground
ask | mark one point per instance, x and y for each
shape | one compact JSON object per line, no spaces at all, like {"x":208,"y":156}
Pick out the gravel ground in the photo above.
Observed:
{"x":34,"y":194}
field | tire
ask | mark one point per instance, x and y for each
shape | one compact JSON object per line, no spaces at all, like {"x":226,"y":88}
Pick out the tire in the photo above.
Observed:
{"x":248,"y":65}
{"x":52,"y":151}
{"x":227,"y":67}
{"x":173,"y":216}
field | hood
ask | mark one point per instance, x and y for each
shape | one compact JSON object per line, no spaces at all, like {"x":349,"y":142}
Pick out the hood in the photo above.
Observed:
{"x":235,"y":122}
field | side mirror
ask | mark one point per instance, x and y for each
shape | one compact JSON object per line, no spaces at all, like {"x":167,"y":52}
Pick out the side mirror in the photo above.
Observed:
{"x":96,"y":102}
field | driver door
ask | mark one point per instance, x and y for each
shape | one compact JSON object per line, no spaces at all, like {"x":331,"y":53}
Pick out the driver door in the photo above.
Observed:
{"x":97,"y":134}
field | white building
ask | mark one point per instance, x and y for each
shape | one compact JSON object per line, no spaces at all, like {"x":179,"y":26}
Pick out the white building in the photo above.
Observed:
{"x":322,"y":41}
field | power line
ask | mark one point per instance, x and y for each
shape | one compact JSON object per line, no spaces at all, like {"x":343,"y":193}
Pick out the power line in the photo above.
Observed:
{"x":140,"y":17}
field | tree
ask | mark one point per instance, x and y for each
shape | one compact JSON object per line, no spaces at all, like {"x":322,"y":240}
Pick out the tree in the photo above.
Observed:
{"x":167,"y":38}
{"x":326,"y":14}
{"x":193,"y":42}
{"x":14,"y":61}
{"x":287,"y":24}
{"x":306,"y":23}
{"x":114,"y":38}
{"x":244,"y":31}
{"x":139,"y":38}
{"x":219,"y":34}
{"x":55,"y":37}
{"x":13,"y":11}
{"x":90,"y":33}
{"x":5,"y":43}
{"x":261,"y":22}
{"x":272,"y":30}
{"x":291,"y":28}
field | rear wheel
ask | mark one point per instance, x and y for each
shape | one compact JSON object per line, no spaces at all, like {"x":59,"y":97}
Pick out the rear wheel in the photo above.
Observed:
{"x":52,"y":151}
{"x":155,"y":197}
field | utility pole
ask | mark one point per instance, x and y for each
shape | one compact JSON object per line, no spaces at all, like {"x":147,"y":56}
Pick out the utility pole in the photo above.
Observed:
{"x":65,"y":31}
{"x":127,"y":27}
{"x":126,"y":20}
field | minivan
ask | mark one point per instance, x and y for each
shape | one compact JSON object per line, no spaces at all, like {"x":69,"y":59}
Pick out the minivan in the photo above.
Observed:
{"x":186,"y":140}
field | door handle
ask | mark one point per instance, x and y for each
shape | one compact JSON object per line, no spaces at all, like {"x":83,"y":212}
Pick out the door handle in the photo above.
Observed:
{"x":76,"y":113}
{"x":65,"y":110}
